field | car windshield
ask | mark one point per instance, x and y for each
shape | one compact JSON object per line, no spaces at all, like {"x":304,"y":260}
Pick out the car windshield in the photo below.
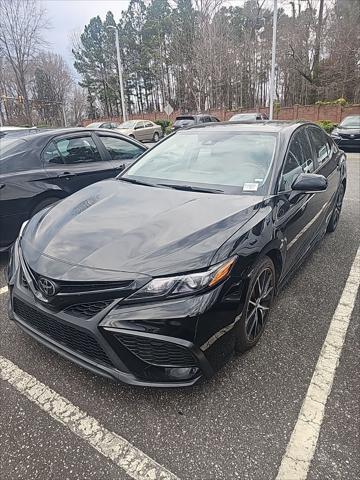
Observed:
{"x":243,"y":117}
{"x":94,"y":125}
{"x":128,"y":125}
{"x":228,"y":161}
{"x":9,"y":144}
{"x":353,"y":122}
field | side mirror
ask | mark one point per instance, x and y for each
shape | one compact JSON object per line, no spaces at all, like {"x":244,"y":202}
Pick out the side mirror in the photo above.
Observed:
{"x":309,"y":182}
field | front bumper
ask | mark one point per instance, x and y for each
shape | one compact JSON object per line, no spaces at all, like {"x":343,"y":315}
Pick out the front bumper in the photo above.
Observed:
{"x":348,"y":143}
{"x":173,"y":343}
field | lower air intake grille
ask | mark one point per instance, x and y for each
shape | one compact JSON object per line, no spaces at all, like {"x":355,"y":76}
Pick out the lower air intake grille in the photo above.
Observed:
{"x":76,"y":340}
{"x":157,"y":352}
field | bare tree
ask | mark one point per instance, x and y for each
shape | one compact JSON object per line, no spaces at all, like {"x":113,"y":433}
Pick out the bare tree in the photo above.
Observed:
{"x":21,"y":25}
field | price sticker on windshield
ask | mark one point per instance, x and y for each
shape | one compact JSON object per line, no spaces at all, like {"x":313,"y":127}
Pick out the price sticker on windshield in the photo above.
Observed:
{"x":250,"y":187}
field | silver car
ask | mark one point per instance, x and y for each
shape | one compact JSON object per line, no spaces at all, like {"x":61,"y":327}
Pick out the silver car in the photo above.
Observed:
{"x":108,"y":125}
{"x":142,"y":130}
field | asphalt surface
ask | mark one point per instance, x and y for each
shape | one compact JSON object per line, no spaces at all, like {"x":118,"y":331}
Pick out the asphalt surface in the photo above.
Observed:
{"x":235,"y":426}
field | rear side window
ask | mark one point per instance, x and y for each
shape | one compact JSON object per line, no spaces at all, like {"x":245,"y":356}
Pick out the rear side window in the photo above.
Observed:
{"x":121,"y":149}
{"x":78,"y":150}
{"x":51,"y":154}
{"x":299,"y":159}
{"x":320,"y":144}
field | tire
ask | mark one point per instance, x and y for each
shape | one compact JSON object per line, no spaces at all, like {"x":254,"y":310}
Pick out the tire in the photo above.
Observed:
{"x":45,"y":203}
{"x":334,"y":219}
{"x":156,"y":137}
{"x":259,"y":297}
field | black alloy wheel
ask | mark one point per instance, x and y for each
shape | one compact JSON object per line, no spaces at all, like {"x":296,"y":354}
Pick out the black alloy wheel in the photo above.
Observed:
{"x":257,"y":305}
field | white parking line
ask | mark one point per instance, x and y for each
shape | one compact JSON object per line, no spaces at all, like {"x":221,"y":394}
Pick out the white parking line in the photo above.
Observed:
{"x":3,"y":290}
{"x":133,"y":461}
{"x":301,"y":448}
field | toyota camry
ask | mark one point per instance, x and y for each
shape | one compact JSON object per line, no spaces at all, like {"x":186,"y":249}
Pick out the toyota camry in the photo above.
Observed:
{"x":158,"y":276}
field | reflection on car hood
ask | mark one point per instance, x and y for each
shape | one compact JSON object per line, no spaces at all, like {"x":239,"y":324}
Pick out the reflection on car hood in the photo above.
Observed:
{"x":118,"y":226}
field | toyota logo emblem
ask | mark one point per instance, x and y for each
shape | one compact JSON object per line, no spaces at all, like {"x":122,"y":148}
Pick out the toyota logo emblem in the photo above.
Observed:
{"x":47,"y":287}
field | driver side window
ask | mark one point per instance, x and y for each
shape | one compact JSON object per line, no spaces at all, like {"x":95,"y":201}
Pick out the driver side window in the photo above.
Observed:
{"x":299,"y":159}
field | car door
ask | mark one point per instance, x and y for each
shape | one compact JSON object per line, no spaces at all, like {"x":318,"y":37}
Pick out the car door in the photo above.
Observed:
{"x":121,"y":152}
{"x":328,"y":163}
{"x":140,"y":133}
{"x":296,"y":211}
{"x":149,"y":129}
{"x":74,"y":161}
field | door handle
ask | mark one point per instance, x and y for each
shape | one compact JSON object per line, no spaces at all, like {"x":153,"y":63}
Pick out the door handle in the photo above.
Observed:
{"x":66,"y":174}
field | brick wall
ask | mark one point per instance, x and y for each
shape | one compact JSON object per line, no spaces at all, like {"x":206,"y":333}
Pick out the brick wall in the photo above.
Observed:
{"x":333,"y":113}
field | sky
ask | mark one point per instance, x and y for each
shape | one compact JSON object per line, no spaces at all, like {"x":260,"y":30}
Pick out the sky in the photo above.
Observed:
{"x":68,"y":17}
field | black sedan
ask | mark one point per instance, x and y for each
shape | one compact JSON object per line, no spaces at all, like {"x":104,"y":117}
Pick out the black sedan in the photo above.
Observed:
{"x":347,"y":133}
{"x":158,"y":276}
{"x":38,"y":170}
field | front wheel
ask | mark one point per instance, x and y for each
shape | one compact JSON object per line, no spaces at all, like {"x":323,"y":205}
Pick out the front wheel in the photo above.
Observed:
{"x":334,"y":220}
{"x":257,"y":304}
{"x":156,"y":137}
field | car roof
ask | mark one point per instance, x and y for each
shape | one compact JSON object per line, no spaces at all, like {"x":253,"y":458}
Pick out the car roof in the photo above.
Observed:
{"x":270,"y":126}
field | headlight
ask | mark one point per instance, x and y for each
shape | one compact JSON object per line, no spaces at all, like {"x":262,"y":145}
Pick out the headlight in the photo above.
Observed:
{"x":185,"y":284}
{"x":335,"y":134}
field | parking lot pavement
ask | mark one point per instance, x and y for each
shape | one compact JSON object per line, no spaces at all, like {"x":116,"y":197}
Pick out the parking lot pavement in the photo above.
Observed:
{"x":235,"y":426}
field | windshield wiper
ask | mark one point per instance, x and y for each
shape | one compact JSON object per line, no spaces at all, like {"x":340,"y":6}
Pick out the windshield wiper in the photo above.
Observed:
{"x":189,"y":188}
{"x":137,"y":182}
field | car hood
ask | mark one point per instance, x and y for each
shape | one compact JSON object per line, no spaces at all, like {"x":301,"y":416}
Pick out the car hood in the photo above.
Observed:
{"x":348,"y":130}
{"x":122,"y":227}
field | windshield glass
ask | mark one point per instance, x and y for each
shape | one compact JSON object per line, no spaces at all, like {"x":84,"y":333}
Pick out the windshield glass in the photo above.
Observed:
{"x":353,"y":122}
{"x":231,"y":161}
{"x":243,"y":117}
{"x":129,"y":124}
{"x":94,"y":125}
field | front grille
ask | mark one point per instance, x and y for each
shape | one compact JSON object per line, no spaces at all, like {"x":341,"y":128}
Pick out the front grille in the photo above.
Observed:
{"x":66,"y":335}
{"x":158,"y":352}
{"x":87,"y":310}
{"x":72,"y":287}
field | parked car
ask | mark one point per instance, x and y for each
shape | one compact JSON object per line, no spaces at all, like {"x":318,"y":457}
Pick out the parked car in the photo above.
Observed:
{"x":183,"y":121}
{"x":142,"y":130}
{"x":157,"y":276}
{"x":249,"y":117}
{"x":347,"y":133}
{"x":41,"y":169}
{"x":108,"y":125}
{"x":11,"y":132}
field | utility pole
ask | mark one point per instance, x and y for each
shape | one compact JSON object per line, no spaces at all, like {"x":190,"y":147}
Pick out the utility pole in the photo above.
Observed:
{"x":273,"y":60}
{"x":120,"y":72}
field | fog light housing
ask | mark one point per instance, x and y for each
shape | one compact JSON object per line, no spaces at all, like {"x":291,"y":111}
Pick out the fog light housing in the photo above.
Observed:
{"x":181,"y":373}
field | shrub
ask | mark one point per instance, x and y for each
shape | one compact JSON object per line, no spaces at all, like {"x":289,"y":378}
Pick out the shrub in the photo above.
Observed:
{"x":164,"y":124}
{"x":339,"y":101}
{"x":327,"y":125}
